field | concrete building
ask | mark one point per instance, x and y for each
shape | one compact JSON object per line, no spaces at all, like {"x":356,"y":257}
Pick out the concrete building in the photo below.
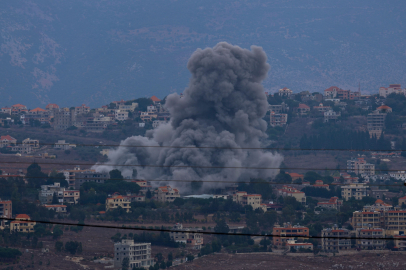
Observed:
{"x":6,"y":209}
{"x":376,"y":123}
{"x":360,"y":166}
{"x":184,"y":235}
{"x":59,"y":208}
{"x":402,"y":201}
{"x":292,"y":243}
{"x":303,"y":109}
{"x":379,"y":206}
{"x":63,"y":118}
{"x":6,"y":110}
{"x":84,"y":176}
{"x":157,"y":123}
{"x":18,"y":109}
{"x":47,"y":192}
{"x":167,"y":194}
{"x":285,"y":92}
{"x":128,"y":108}
{"x":321,"y":108}
{"x":278,"y":108}
{"x":393,"y":88}
{"x":288,"y":191}
{"x":22,"y":224}
{"x":278,"y":119}
{"x":30,"y":142}
{"x":255,"y":200}
{"x":333,"y":203}
{"x":71,"y":196}
{"x":63,"y":145}
{"x":400,"y":241}
{"x":320,"y":184}
{"x":331,"y":115}
{"x":399,"y":175}
{"x":371,"y":238}
{"x":335,"y":239}
{"x":356,"y":190}
{"x":82,"y":109}
{"x":120,"y":115}
{"x":138,"y":254}
{"x":22,"y":149}
{"x":364,"y":219}
{"x":7,"y":140}
{"x":118,"y":201}
{"x":282,"y":234}
{"x":144,"y":185}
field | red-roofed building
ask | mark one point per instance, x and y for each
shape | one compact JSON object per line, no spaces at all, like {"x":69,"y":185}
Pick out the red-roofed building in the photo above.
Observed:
{"x":117,"y":201}
{"x":6,"y":110}
{"x":7,"y":140}
{"x":384,"y":109}
{"x":296,"y":176}
{"x":51,"y":106}
{"x":83,"y":109}
{"x":167,"y":194}
{"x":255,"y":200}
{"x":321,"y":108}
{"x":335,"y":239}
{"x":18,"y":108}
{"x":285,"y":92}
{"x":370,"y":238}
{"x":320,"y":184}
{"x":37,"y":111}
{"x":22,"y":224}
{"x":36,"y":114}
{"x":155,"y":99}
{"x":288,"y":191}
{"x":333,"y":203}
{"x":59,"y":208}
{"x":393,"y":88}
{"x":303,"y":109}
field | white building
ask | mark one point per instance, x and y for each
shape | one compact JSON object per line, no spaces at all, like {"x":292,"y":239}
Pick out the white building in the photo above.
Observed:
{"x":128,"y":108}
{"x":138,"y":254}
{"x":399,"y":175}
{"x":187,"y":236}
{"x":47,"y":192}
{"x":121,"y":115}
{"x":331,"y":115}
{"x":393,"y":88}
{"x":62,"y":144}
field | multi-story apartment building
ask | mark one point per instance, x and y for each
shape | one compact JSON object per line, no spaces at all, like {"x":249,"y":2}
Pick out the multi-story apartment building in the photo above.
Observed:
{"x":6,"y":209}
{"x":367,"y":219}
{"x":6,"y":110}
{"x":399,"y":175}
{"x":84,"y":176}
{"x":157,"y":123}
{"x":22,"y":149}
{"x":71,"y":196}
{"x":121,"y":115}
{"x":376,"y":123}
{"x":393,"y":88}
{"x":400,"y":241}
{"x":360,"y":166}
{"x":370,"y":238}
{"x":303,"y":109}
{"x":321,"y":108}
{"x":282,"y":234}
{"x":331,"y":115}
{"x":288,"y":191}
{"x":255,"y":200}
{"x":64,"y":118}
{"x":167,"y":194}
{"x":22,"y":224}
{"x":335,"y":92}
{"x":285,"y":92}
{"x":335,"y":239}
{"x":278,"y":119}
{"x":128,"y":108}
{"x":118,"y":201}
{"x":356,"y":190}
{"x":18,"y":109}
{"x":184,"y":235}
{"x":333,"y":203}
{"x":82,"y":109}
{"x":278,"y":108}
{"x":138,"y":254}
{"x":144,"y":185}
{"x":31,"y":142}
{"x":47,"y":192}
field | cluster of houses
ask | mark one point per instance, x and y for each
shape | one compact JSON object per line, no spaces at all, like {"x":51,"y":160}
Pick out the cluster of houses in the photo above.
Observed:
{"x":375,"y":120}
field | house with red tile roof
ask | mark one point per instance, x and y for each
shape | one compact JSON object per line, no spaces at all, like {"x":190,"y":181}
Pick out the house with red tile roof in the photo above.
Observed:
{"x":384,"y":109}
{"x":18,"y":108}
{"x":255,"y":200}
{"x":296,"y":176}
{"x":22,"y":224}
{"x":393,"y":88}
{"x":288,"y":191}
{"x":303,"y":109}
{"x":166,"y":194}
{"x":320,"y":184}
{"x":7,"y":140}
{"x":51,"y":106}
{"x":117,"y":201}
{"x":82,"y":109}
{"x":155,"y":99}
{"x":333,"y":203}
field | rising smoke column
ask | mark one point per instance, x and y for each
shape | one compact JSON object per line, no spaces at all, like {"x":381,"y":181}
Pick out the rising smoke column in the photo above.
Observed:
{"x":223,"y":106}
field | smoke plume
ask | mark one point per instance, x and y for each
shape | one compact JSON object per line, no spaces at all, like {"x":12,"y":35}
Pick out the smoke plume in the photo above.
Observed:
{"x":223,"y":106}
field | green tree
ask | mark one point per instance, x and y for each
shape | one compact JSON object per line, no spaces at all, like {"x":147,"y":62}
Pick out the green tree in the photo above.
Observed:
{"x":59,"y":246}
{"x":115,"y":174}
{"x":71,"y":247}
{"x":125,"y":264}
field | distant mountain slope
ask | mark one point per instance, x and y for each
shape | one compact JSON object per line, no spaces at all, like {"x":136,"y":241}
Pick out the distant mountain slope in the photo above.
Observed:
{"x":91,"y":51}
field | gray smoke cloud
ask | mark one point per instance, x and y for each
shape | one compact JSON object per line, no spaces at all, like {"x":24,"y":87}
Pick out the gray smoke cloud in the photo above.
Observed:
{"x":223,"y":106}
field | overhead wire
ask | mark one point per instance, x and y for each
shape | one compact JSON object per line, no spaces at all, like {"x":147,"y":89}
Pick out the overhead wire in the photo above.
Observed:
{"x":191,"y":231}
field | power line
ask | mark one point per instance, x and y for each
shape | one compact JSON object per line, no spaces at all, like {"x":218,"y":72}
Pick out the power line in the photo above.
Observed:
{"x":187,"y":166}
{"x":232,"y":148}
{"x":190,"y":231}
{"x":182,"y":180}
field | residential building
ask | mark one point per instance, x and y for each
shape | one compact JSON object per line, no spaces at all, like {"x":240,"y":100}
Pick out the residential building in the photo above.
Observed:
{"x":285,"y":92}
{"x":393,"y":88}
{"x":155,"y":99}
{"x":118,"y":201}
{"x":121,"y":115}
{"x":18,"y":109}
{"x":400,"y":241}
{"x":331,"y":115}
{"x":138,"y":254}
{"x":71,"y":196}
{"x":7,"y":141}
{"x":333,"y":203}
{"x":188,"y":236}
{"x":384,"y":109}
{"x":148,"y":116}
{"x":321,"y":108}
{"x":167,"y":194}
{"x":6,"y":122}
{"x":22,"y":149}
{"x":157,"y":123}
{"x":61,"y":144}
{"x":51,"y":106}
{"x":6,"y":110}
{"x":376,"y":123}
{"x":356,"y":190}
{"x":287,"y":231}
{"x":402,"y":201}
{"x":70,"y":175}
{"x":360,"y":166}
{"x":58,"y":208}
{"x":64,"y":118}
{"x":144,"y":185}
{"x":278,"y":119}
{"x":335,"y":239}
{"x":377,"y":193}
{"x":36,"y":114}
{"x":32,"y":143}
{"x":303,"y":109}
{"x":47,"y":192}
{"x":364,"y":219}
{"x":128,"y":108}
{"x":135,"y":198}
{"x":98,"y":124}
{"x":320,"y":184}
{"x":83,"y":176}
{"x":288,"y":191}
{"x":278,"y":108}
{"x":6,"y":209}
{"x":378,"y":206}
{"x":399,"y":175}
{"x":296,"y":176}
{"x":335,"y":92}
{"x":292,"y":243}
{"x":331,"y":92}
{"x":255,"y":200}
{"x":22,"y":224}
{"x":370,"y":238}
{"x":82,"y":109}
